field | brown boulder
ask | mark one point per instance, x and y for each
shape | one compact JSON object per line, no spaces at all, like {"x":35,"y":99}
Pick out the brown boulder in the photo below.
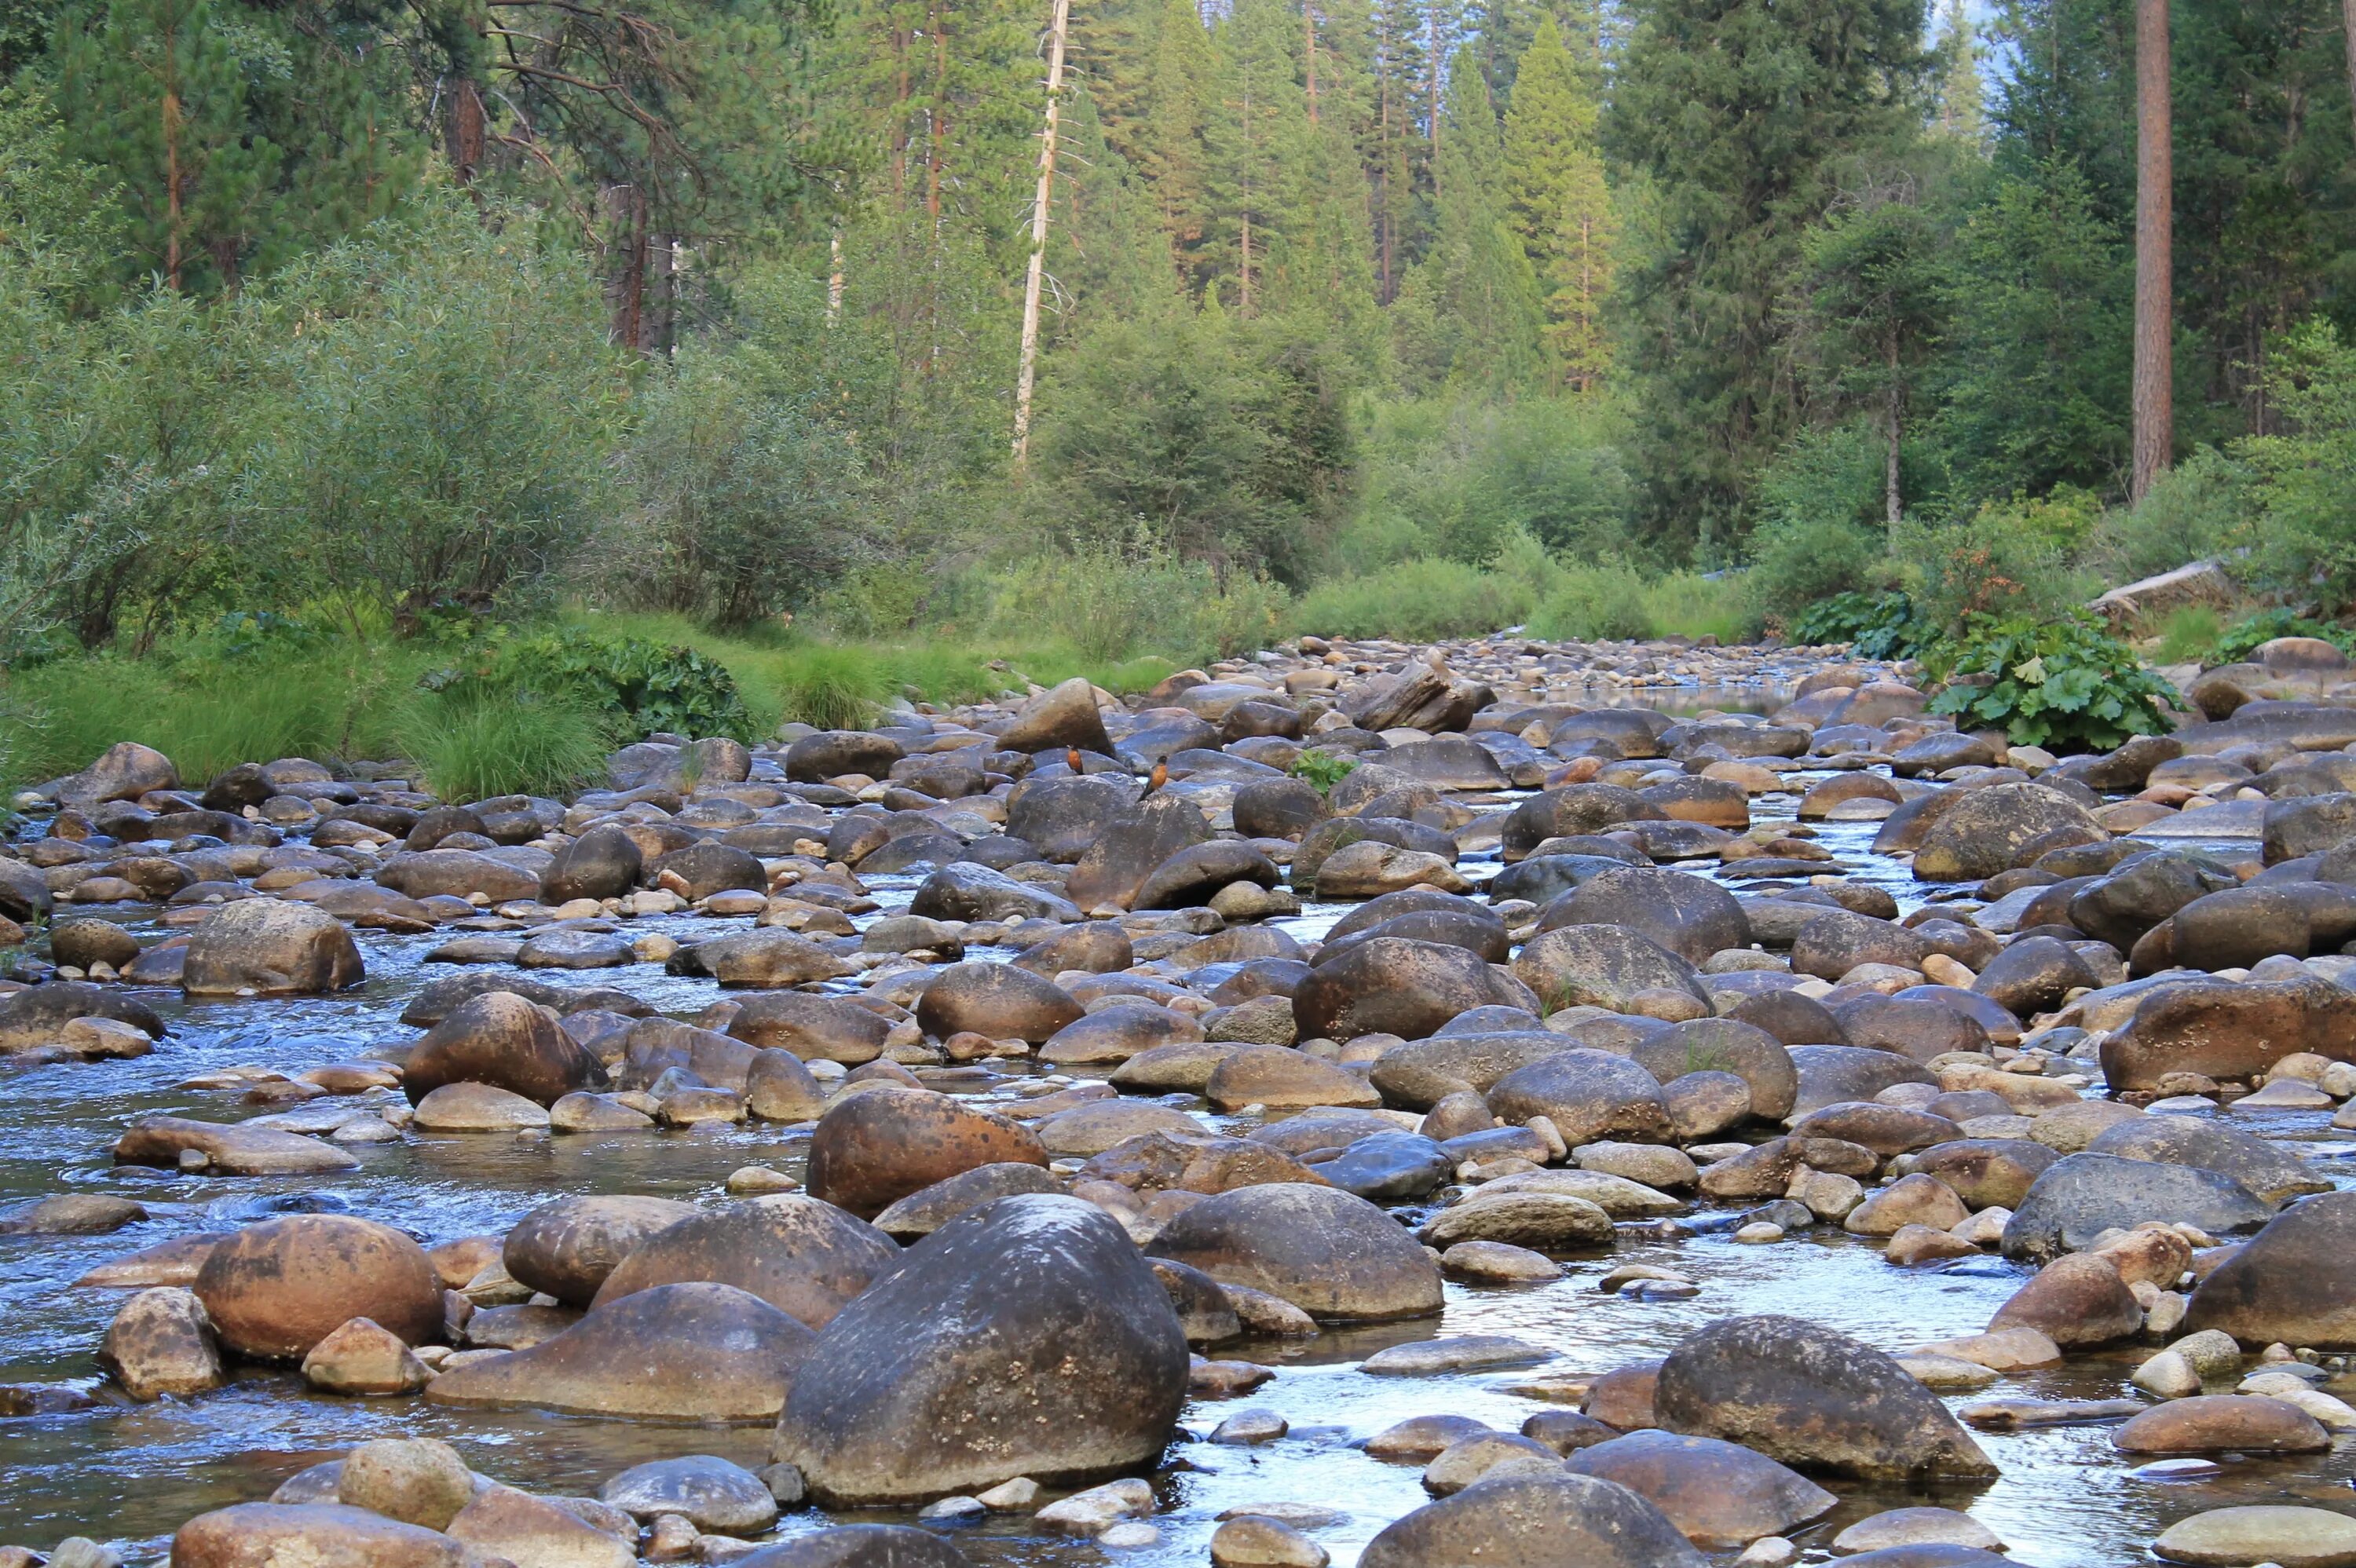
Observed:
{"x":876,"y":1146}
{"x":276,"y":1289}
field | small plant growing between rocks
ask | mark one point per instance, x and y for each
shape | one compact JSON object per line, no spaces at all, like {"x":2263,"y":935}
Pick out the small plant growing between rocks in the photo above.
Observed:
{"x":1323,"y":770}
{"x":2064,"y":684}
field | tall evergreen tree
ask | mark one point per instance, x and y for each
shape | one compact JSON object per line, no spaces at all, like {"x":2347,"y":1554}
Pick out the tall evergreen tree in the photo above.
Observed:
{"x":1561,"y":203}
{"x":1257,"y":137}
{"x":1734,"y":109}
{"x":1961,"y":107}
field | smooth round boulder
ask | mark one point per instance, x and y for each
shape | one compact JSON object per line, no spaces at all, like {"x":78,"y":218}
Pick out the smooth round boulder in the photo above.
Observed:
{"x":1283,"y":1079}
{"x":1812,"y":1397}
{"x":1604,"y":966}
{"x":921,"y":1213}
{"x":276,"y":1289}
{"x":1026,"y":1336}
{"x":875,"y":1147}
{"x":499,"y":1039}
{"x":861,"y":1546}
{"x":998,"y":1000}
{"x":1992,"y":829}
{"x":1332,"y":1255}
{"x":2267,"y":1168}
{"x":1588,"y":1094}
{"x":1393,"y":985}
{"x":317,"y":1535}
{"x":603,"y":863}
{"x":2285,"y":1535}
{"x":270,"y":947}
{"x":1687,"y":914}
{"x":2217,"y":1424}
{"x":814,"y":1027}
{"x":2081,"y":1196}
{"x":709,"y":1492}
{"x":1724,"y":1045}
{"x":566,"y":1248}
{"x":803,"y":1257}
{"x":1532,"y":1519}
{"x":695,"y":1352}
{"x":1721,"y":1496}
{"x":2074,"y":1301}
{"x":2293,"y":1283}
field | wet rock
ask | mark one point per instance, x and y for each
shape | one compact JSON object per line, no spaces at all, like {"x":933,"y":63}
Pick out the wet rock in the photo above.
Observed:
{"x":706,"y":1490}
{"x":73,"y":1214}
{"x":1534,"y":1521}
{"x":1252,"y":1542}
{"x":568,"y":1247}
{"x":1588,"y":1094}
{"x":1721,"y":1496}
{"x":693,"y":1352}
{"x":1420,"y":1439}
{"x":2266,"y":1168}
{"x":161,"y":1342}
{"x":803,"y":1257}
{"x":321,"y":1535}
{"x":2213,"y":1424}
{"x":861,"y":1546}
{"x":877,"y":1146}
{"x":1389,"y":1168}
{"x":501,"y":1039}
{"x":934,"y":1379}
{"x":2083,"y":1195}
{"x":2285,"y":1535}
{"x":1477,"y":1458}
{"x":603,"y":863}
{"x":2223,"y":1032}
{"x":1902,"y":1528}
{"x":594,"y":1113}
{"x":1497,"y":1262}
{"x":1992,"y":829}
{"x":477,"y":1108}
{"x":995,"y":999}
{"x":1283,"y":1079}
{"x":175,"y":1262}
{"x":417,"y":1481}
{"x":2293,"y":1283}
{"x":1064,"y":716}
{"x":1986,"y":1172}
{"x":276,"y":1289}
{"x":1460,"y":1353}
{"x":456,"y":873}
{"x":533,"y":1533}
{"x":924,"y":1211}
{"x":1420,"y":1073}
{"x":2077,"y":1300}
{"x":363,"y":1358}
{"x":771,"y":958}
{"x":1812,"y":1397}
{"x":1916,"y":1199}
{"x":1332,"y":1254}
{"x":270,"y":948}
{"x":1602,"y":965}
{"x":1394,"y":986}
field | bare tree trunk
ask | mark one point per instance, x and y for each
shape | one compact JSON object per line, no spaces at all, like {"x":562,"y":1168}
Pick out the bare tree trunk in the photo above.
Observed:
{"x":625,"y":286}
{"x":1027,"y":374}
{"x":2155,"y":415}
{"x":834,"y":276}
{"x":465,"y":137}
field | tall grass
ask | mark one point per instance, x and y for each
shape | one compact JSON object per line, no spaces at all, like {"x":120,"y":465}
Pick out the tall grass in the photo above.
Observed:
{"x":1418,"y":600}
{"x":474,"y":748}
{"x":2191,"y":634}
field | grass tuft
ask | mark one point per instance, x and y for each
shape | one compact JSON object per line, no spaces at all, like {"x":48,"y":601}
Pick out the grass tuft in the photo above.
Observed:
{"x":474,"y":749}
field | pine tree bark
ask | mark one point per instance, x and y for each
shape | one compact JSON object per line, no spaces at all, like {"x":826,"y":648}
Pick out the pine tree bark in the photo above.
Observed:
{"x":2154,"y":388}
{"x":1026,"y":375}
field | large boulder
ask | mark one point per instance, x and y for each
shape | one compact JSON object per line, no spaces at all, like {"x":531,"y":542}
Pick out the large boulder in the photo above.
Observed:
{"x":270,"y":947}
{"x":861,"y":1546}
{"x":695,"y":1352}
{"x":994,"y":1000}
{"x":1581,"y":809}
{"x":1691,"y":917}
{"x":964,"y":890}
{"x":1117,"y":858}
{"x":1812,"y":1397}
{"x":456,"y":873}
{"x":1065,"y":715}
{"x":565,"y":1248}
{"x":878,"y":1145}
{"x":1024,"y":1338}
{"x":276,"y":1289}
{"x":229,"y":1148}
{"x":2081,"y":1196}
{"x":1998,"y":828}
{"x":603,"y":863}
{"x":1064,"y":817}
{"x":1720,"y":1495}
{"x":2293,"y":1283}
{"x":1588,"y":1094}
{"x":1419,"y":1073}
{"x":813,"y":1028}
{"x":1605,"y":966}
{"x":803,"y":1257}
{"x":770,"y":957}
{"x":315,"y":1535}
{"x":833,"y":753}
{"x":2227,"y":1031}
{"x":2266,"y":1166}
{"x":500,"y":1039}
{"x":1332,"y":1254}
{"x":37,"y":1014}
{"x":1394,"y":986}
{"x":1534,"y":1518}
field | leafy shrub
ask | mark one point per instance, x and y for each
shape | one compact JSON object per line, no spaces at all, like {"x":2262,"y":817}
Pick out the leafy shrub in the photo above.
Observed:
{"x":1820,"y":530}
{"x":1595,"y":604}
{"x":2305,"y":482}
{"x":2242,"y":639}
{"x":2010,"y":558}
{"x":2196,"y":512}
{"x":1111,"y":602}
{"x":2191,"y":634}
{"x":1701,"y":604}
{"x":473,"y":744}
{"x":1875,"y":626}
{"x":1322,"y":770}
{"x":831,"y":687}
{"x":1421,"y":600}
{"x":640,"y":686}
{"x":2063,"y":683}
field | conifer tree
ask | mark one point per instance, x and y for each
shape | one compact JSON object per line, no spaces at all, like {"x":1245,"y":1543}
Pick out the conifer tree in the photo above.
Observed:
{"x":1562,"y":205}
{"x":1256,"y":134}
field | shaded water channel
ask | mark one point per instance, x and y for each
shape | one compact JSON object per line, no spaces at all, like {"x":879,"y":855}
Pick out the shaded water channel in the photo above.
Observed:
{"x":131,"y":1474}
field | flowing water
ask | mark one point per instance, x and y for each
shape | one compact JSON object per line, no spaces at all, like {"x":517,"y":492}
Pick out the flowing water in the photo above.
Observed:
{"x":133,"y":1473}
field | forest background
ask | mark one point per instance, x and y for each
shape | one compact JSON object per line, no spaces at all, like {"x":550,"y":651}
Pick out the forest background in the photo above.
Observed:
{"x":350,"y":348}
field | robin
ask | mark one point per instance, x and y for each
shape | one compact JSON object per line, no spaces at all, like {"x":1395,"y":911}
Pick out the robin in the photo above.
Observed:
{"x":1072,"y":761}
{"x":1160,"y":776}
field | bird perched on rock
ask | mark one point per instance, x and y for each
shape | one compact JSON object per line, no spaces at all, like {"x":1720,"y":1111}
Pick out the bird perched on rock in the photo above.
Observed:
{"x":1073,"y":760}
{"x":1160,"y":776}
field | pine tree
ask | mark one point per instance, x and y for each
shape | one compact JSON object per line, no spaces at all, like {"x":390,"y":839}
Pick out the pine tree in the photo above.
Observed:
{"x":1961,"y":110}
{"x":1171,"y":157}
{"x":1562,"y":205}
{"x":153,"y":94}
{"x":1256,"y":134}
{"x":1733,"y":111}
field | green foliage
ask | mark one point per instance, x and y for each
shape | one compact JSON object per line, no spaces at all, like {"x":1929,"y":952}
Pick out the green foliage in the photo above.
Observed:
{"x":631,"y":684}
{"x":2242,"y":638}
{"x":2009,"y":558}
{"x":2303,"y":484}
{"x":831,"y":687}
{"x":2190,"y":635}
{"x":1602,"y":602}
{"x":2060,"y":682}
{"x":2196,"y":511}
{"x":1421,"y":599}
{"x":1820,"y":530}
{"x":476,"y":743}
{"x":1877,"y":625}
{"x":1322,"y":770}
{"x":1110,"y":603}
{"x":1460,"y":477}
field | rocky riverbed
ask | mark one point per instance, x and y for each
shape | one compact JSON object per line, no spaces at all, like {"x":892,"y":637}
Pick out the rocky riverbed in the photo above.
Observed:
{"x":1659,"y":1106}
